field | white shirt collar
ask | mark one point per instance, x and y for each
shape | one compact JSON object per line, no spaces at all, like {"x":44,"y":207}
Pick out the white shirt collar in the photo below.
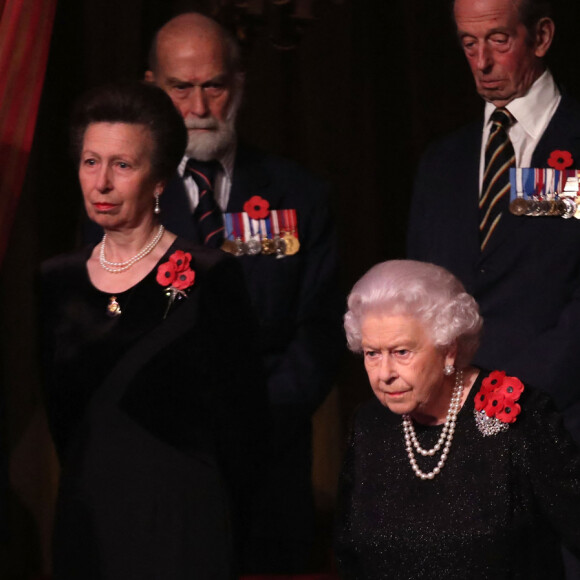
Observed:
{"x":534,"y":110}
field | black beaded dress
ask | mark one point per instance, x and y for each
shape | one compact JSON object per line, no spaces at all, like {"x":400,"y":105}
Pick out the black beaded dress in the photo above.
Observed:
{"x":498,"y":509}
{"x":156,"y":420}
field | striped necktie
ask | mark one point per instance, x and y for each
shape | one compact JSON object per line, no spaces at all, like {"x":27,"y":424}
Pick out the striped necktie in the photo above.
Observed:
{"x":207,"y":214}
{"x":499,"y":157}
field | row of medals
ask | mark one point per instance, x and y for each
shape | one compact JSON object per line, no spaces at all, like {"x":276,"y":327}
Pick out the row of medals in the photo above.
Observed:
{"x":285,"y":245}
{"x":565,"y":207}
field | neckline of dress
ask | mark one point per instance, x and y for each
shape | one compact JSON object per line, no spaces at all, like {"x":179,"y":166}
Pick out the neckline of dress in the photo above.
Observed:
{"x":89,"y":250}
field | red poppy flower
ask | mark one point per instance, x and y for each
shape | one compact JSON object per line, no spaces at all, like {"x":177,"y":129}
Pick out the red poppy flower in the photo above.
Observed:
{"x":257,"y":207}
{"x":495,"y":403}
{"x":184,"y":280}
{"x":509,"y":413}
{"x":512,"y":388}
{"x":166,"y":273}
{"x":481,"y":400}
{"x":560,"y":159}
{"x":181,"y":260}
{"x":493,"y":381}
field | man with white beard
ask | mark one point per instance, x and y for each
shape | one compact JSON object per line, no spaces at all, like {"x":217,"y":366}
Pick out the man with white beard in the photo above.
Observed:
{"x":285,"y":241}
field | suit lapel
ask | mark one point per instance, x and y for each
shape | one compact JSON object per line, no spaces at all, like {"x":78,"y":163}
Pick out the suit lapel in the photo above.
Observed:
{"x":558,"y":135}
{"x":176,"y":214}
{"x":250,"y":178}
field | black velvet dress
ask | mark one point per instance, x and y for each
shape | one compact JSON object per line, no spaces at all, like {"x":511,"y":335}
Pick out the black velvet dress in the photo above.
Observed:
{"x":157,"y":421}
{"x":498,"y":509}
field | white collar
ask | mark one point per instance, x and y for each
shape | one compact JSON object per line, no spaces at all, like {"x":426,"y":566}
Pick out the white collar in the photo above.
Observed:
{"x":533,"y":109}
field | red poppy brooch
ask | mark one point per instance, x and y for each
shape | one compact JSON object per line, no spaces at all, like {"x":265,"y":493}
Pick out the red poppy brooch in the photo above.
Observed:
{"x":496,"y":403}
{"x":257,"y":207}
{"x":560,"y":159}
{"x":176,"y":277}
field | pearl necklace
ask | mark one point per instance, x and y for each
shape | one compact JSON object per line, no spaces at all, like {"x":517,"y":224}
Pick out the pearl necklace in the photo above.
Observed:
{"x":116,"y":267}
{"x":445,"y":438}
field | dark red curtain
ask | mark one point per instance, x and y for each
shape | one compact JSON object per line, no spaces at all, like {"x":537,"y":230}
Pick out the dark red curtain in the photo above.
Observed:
{"x":25,"y":32}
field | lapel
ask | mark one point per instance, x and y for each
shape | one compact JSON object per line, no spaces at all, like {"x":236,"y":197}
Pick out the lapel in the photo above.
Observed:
{"x":251,"y":177}
{"x":562,"y":133}
{"x":176,"y":214}
{"x":464,"y":204}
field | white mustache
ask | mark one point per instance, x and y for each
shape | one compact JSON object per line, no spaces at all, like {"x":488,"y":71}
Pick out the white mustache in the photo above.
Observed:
{"x":201,"y":123}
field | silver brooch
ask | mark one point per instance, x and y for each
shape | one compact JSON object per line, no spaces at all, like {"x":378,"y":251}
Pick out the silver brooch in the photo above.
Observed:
{"x":488,"y":425}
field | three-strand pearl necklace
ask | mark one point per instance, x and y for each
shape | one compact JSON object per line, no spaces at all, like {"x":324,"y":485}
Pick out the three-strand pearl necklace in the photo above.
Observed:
{"x":116,"y":267}
{"x":445,"y":438}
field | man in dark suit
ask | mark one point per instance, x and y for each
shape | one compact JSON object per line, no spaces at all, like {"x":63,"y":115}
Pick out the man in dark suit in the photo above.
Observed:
{"x":293,"y":286}
{"x":526,"y":277}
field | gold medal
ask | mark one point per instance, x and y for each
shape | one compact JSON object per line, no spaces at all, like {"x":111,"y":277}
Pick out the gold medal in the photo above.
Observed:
{"x":292,"y":243}
{"x":113,"y":307}
{"x":268,"y":247}
{"x":230,"y":247}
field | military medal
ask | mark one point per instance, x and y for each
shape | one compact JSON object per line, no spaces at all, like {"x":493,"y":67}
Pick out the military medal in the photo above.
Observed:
{"x":267,"y":242}
{"x":113,"y":307}
{"x":230,"y":246}
{"x":268,"y":247}
{"x":280,"y":247}
{"x":239,"y":242}
{"x":251,"y":235}
{"x":279,"y":243}
{"x":290,"y":232}
{"x":550,"y":192}
{"x":292,"y":243}
{"x":519,"y":206}
{"x":570,"y":207}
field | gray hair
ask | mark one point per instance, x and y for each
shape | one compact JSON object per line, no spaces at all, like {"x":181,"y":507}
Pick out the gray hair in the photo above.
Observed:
{"x":426,"y":292}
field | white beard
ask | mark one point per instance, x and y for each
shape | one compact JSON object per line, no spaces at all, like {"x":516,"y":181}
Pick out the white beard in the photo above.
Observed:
{"x":210,"y":145}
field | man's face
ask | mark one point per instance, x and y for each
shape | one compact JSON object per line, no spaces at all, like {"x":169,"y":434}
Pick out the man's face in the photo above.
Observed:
{"x":504,"y":60}
{"x":192,"y":71}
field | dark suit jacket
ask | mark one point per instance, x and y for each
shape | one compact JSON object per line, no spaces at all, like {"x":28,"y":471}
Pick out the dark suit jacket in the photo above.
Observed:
{"x":299,"y":308}
{"x":296,"y":298}
{"x":527,"y":280}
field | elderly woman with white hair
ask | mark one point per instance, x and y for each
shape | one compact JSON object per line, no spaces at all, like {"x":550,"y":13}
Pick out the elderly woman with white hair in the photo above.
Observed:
{"x":452,"y":471}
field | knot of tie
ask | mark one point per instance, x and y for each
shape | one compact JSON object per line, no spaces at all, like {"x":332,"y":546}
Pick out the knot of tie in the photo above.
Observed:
{"x":203,"y":172}
{"x":503,"y":118}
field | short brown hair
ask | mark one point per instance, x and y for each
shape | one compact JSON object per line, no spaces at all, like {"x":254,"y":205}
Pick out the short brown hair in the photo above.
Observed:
{"x":134,"y":103}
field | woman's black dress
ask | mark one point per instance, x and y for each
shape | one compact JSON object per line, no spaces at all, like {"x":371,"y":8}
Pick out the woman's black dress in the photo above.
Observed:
{"x":156,"y":421}
{"x":498,"y":509}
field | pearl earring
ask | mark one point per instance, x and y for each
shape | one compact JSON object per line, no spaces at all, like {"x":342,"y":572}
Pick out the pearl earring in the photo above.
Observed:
{"x":156,"y":209}
{"x":448,"y":370}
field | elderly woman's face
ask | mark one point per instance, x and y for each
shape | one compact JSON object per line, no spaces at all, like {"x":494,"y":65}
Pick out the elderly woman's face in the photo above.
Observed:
{"x":405,"y":368}
{"x":115,"y":174}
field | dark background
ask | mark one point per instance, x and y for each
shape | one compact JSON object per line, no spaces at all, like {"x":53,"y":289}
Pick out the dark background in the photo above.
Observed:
{"x":355,"y":94}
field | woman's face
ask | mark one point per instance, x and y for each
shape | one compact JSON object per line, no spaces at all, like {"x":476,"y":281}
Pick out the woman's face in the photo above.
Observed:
{"x":405,"y":368}
{"x":115,"y":175}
